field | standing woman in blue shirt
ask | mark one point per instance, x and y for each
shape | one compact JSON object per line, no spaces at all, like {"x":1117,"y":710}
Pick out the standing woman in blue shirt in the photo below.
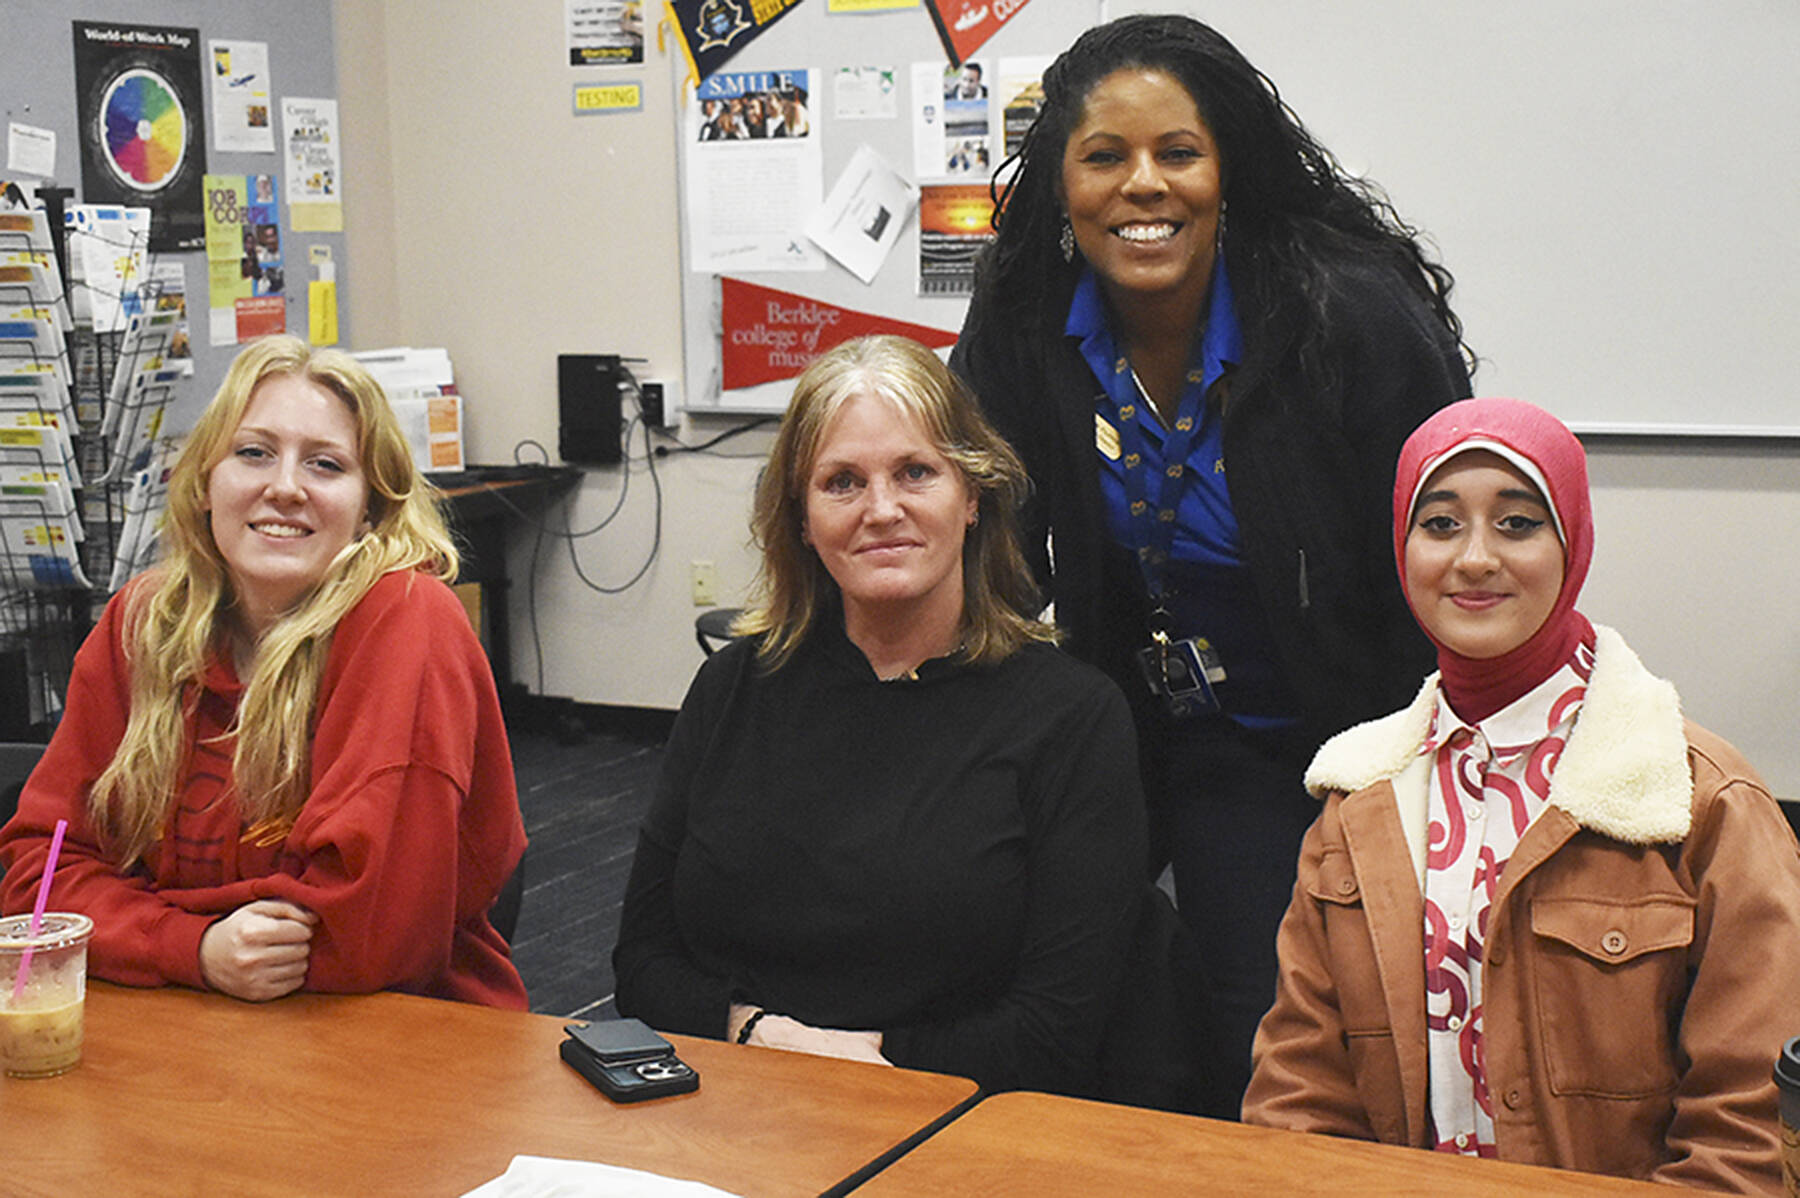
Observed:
{"x":1207,"y":343}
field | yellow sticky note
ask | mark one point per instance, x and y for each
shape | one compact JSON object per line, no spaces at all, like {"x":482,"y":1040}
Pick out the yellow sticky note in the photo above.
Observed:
{"x":321,"y":313}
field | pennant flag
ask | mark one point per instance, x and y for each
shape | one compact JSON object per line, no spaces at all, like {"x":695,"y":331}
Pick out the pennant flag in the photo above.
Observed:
{"x":770,"y":334}
{"x":711,"y":31}
{"x":964,"y":25}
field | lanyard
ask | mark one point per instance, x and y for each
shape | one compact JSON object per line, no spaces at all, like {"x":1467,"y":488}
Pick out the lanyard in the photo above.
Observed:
{"x":1151,"y":519}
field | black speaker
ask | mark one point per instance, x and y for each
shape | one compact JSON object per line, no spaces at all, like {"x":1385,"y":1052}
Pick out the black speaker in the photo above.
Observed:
{"x":587,"y":393}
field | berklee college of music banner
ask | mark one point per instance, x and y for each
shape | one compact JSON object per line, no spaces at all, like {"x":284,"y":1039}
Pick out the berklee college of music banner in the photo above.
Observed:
{"x":768,"y":334}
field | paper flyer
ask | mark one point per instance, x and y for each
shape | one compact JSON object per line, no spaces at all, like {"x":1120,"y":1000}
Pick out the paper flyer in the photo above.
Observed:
{"x":30,"y":150}
{"x":144,"y":505}
{"x":864,"y":94}
{"x":952,"y":121}
{"x":108,"y":248}
{"x":755,"y":172}
{"x":240,"y":97}
{"x":246,"y":272}
{"x":605,"y":31}
{"x":1020,"y":88}
{"x":862,"y":217}
{"x":143,"y":141}
{"x":309,"y":129}
{"x":955,"y":222}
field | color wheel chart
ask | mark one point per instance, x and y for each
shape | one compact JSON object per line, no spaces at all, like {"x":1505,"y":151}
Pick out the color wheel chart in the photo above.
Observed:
{"x":143,"y":130}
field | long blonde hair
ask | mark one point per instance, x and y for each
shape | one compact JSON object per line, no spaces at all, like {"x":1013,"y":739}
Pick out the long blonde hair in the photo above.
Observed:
{"x":179,"y":617}
{"x":793,"y":588}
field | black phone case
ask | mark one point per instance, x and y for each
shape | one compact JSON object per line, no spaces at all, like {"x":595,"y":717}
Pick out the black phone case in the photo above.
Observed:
{"x":629,"y":1083}
{"x":620,"y":1041}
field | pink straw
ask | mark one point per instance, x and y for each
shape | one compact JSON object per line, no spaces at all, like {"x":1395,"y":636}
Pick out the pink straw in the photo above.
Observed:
{"x":43,"y":900}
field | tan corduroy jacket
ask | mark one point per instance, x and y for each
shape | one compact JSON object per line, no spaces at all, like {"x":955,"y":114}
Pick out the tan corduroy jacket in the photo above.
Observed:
{"x":1643,"y":950}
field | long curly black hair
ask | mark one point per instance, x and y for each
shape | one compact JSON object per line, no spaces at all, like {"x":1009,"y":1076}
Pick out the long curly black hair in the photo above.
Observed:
{"x":1296,"y":219}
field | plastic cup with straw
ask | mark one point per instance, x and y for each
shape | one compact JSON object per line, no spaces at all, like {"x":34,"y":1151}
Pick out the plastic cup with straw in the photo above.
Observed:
{"x":41,"y":1017}
{"x":37,"y":910}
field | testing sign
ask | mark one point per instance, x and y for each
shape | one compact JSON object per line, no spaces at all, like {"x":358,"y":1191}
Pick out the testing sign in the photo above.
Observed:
{"x":770,"y":334}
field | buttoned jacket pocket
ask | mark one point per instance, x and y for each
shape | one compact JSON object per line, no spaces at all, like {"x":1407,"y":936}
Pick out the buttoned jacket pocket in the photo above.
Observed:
{"x":1336,"y":881}
{"x":1366,"y":1023}
{"x":1609,"y":978}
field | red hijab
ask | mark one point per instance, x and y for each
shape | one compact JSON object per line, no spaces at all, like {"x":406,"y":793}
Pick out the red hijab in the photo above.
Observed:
{"x":1543,"y":448}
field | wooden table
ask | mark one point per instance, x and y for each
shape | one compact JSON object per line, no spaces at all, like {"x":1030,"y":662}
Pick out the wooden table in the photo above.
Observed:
{"x":1036,"y":1144}
{"x":181,"y":1092}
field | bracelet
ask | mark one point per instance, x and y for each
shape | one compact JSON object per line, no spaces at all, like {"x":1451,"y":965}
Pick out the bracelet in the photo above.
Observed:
{"x":743,"y":1036}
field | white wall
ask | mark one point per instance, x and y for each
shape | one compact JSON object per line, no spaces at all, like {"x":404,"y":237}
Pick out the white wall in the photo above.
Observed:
{"x":482,"y":216}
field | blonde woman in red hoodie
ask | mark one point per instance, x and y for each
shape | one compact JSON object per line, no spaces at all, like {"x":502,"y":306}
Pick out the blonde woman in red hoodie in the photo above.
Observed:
{"x":282,"y":758}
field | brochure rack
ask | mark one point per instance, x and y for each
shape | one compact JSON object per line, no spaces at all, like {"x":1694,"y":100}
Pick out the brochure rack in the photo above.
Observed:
{"x":81,"y":454}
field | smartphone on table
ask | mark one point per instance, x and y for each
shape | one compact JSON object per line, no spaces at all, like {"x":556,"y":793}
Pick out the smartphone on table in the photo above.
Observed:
{"x":626,"y":1060}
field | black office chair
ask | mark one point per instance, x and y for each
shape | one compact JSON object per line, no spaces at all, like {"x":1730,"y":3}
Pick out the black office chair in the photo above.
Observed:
{"x":715,"y":625}
{"x":1791,"y":809}
{"x":17,"y":760}
{"x":504,"y":914}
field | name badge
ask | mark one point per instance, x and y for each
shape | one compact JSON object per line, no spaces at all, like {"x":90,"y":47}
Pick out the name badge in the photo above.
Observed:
{"x":1106,"y":438}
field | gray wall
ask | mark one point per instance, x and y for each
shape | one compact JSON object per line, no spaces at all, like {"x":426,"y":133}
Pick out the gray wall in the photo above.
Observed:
{"x":37,"y":87}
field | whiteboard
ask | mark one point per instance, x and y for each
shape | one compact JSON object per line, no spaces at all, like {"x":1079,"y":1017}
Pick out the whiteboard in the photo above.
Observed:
{"x":1612,"y":182}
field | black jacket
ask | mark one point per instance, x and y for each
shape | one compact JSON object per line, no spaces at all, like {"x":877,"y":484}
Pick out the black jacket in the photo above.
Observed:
{"x":1311,"y":474}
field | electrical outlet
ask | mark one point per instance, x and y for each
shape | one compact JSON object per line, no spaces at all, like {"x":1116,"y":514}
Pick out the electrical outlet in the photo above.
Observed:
{"x":660,"y":402}
{"x":650,"y":402}
{"x":703,"y":582}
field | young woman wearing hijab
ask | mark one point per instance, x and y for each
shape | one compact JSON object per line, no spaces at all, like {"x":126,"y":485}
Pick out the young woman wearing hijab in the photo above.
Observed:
{"x":1541,"y":917}
{"x":1207,"y":343}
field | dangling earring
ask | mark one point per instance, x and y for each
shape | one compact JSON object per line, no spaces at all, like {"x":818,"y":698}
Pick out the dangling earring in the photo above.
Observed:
{"x":1066,"y":240}
{"x":1219,"y":232}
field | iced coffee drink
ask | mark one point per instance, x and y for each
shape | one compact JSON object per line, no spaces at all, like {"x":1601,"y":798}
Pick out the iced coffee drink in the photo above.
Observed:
{"x":40,"y":1020}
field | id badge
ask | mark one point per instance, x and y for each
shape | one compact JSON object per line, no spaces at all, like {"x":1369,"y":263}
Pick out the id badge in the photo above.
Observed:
{"x":1182,"y":674}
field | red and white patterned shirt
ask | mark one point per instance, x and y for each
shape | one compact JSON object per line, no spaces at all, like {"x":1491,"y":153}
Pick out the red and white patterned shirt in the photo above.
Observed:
{"x":1488,"y":783}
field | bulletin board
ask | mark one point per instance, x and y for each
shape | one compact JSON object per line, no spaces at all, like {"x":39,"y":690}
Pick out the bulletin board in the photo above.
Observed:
{"x":811,"y":37}
{"x":38,"y":88}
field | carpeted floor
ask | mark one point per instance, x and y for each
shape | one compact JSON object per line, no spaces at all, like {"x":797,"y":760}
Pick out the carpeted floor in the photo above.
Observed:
{"x":582,"y":804}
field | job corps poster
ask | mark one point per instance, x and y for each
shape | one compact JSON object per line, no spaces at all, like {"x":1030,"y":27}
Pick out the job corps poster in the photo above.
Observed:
{"x":143,"y":139}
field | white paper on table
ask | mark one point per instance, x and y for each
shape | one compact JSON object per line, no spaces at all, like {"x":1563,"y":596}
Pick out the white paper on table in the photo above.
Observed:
{"x":547,"y":1177}
{"x":861,"y":218}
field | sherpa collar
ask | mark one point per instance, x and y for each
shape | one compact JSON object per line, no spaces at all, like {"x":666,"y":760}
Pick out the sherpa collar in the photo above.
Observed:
{"x":1623,"y":774}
